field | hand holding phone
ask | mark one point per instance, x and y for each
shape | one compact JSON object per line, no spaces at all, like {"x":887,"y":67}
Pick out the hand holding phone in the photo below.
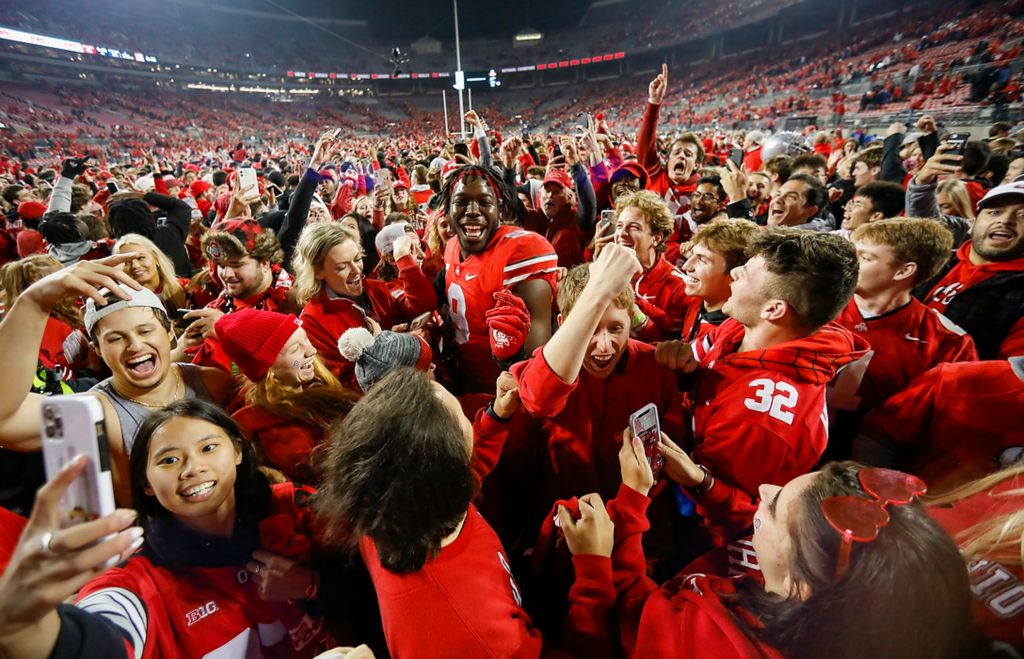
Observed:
{"x":246,"y":180}
{"x":606,"y":224}
{"x":645,"y":425}
{"x":959,"y":143}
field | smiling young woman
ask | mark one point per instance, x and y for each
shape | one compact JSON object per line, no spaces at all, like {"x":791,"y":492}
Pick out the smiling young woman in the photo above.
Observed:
{"x":223,"y":562}
{"x":291,"y":397}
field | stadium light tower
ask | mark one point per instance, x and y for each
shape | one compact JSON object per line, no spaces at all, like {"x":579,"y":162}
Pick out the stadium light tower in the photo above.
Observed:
{"x":460,"y":83}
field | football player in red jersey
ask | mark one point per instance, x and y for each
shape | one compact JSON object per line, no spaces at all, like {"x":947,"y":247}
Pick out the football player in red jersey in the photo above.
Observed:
{"x":954,"y":423}
{"x":484,"y":258}
{"x":907,"y":338}
{"x":982,"y":287}
{"x":714,"y":253}
{"x":759,"y":403}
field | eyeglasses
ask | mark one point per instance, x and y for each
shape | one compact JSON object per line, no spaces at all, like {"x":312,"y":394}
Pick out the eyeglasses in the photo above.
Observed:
{"x":707,"y":197}
{"x":858,"y":519}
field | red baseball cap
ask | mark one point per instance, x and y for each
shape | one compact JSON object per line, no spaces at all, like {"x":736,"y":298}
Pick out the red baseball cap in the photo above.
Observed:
{"x":559,"y":176}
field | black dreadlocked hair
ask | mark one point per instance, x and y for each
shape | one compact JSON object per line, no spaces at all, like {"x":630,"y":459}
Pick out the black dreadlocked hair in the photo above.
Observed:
{"x":506,"y":195}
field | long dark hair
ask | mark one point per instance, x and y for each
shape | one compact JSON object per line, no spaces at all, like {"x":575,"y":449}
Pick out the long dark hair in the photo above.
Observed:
{"x":506,"y":196}
{"x":167,"y":542}
{"x":904,"y":595}
{"x":397,"y":471}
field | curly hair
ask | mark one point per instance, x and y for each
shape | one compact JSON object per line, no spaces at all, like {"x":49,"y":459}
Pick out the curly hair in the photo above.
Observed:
{"x":654,"y":208}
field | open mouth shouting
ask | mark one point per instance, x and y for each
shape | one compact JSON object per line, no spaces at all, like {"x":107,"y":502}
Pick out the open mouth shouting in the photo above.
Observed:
{"x":1001,"y":237}
{"x":198,"y":492}
{"x":142,"y":366}
{"x":473,"y":232}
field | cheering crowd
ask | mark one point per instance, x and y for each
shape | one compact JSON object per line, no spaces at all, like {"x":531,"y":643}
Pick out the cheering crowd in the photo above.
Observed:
{"x":382,"y":395}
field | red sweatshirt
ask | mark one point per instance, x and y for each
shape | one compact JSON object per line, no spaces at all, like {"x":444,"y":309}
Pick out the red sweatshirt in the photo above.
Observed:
{"x":287,"y":443}
{"x":998,"y":588}
{"x":759,"y":416}
{"x":905,"y":343}
{"x":957,"y":421}
{"x":661,"y":295}
{"x":685,"y":619}
{"x":582,"y":421}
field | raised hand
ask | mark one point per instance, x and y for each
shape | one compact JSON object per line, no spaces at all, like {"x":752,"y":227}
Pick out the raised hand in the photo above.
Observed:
{"x":656,"y":90}
{"x":506,"y":398}
{"x":84,"y":279}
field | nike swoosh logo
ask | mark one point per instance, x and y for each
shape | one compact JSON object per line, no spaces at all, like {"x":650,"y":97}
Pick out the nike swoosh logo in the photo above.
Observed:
{"x":468,"y":277}
{"x":913,"y":338}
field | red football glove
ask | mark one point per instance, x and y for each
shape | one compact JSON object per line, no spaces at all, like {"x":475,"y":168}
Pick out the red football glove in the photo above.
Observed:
{"x":508,"y":323}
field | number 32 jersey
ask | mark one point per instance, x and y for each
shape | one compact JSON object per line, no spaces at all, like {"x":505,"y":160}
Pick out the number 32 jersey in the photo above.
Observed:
{"x":512,"y":256}
{"x":759,"y":416}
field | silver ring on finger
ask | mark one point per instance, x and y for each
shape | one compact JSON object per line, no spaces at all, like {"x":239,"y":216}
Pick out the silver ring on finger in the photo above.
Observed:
{"x":44,"y":543}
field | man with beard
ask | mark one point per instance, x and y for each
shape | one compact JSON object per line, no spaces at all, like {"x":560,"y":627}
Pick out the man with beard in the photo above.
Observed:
{"x":557,"y":218}
{"x":981,"y":289}
{"x":677,"y":179}
{"x":706,"y":204}
{"x":486,"y":258}
{"x":798,"y":204}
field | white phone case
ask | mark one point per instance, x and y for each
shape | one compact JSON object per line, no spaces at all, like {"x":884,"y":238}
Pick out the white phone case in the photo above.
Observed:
{"x":72,"y":426}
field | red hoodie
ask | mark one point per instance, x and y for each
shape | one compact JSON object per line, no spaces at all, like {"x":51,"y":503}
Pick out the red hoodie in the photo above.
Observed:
{"x":759,"y":416}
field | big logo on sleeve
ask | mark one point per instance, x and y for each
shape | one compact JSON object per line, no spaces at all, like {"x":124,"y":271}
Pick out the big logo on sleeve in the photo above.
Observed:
{"x":200,"y":612}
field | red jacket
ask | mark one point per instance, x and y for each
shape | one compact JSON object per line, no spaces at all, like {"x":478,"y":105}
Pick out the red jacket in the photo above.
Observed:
{"x":957,"y":421}
{"x":325,"y":318}
{"x":998,"y":588}
{"x":661,"y":294}
{"x":905,"y":343}
{"x":563,"y":233}
{"x":759,"y":416}
{"x":685,"y":619}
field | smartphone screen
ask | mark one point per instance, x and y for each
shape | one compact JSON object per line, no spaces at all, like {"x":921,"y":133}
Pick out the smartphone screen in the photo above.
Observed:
{"x":112,"y":187}
{"x":645,"y":425}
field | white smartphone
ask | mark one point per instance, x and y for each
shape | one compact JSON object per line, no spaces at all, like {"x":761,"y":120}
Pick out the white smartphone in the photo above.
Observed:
{"x":73,"y":426}
{"x":645,"y":425}
{"x":421,"y":320}
{"x":246,"y":179}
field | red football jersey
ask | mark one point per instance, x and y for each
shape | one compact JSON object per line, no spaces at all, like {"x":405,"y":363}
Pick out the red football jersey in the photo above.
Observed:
{"x":958,"y":421}
{"x":759,"y":416}
{"x":998,"y":588}
{"x":905,"y":343}
{"x":512,"y":256}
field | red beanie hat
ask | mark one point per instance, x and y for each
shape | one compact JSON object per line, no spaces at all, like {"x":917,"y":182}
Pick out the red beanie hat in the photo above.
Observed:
{"x":253,"y":339}
{"x":31,"y":210}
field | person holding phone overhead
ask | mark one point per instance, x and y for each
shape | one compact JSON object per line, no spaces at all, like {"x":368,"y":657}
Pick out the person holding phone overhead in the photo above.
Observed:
{"x":224,"y":558}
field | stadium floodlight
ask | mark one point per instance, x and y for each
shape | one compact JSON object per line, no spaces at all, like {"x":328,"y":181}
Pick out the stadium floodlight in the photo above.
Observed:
{"x":529,"y":34}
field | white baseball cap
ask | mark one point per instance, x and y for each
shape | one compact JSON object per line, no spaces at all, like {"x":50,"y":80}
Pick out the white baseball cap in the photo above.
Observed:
{"x":143,"y":298}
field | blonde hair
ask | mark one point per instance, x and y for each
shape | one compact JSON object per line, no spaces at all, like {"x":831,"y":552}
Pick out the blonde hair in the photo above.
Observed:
{"x":654,"y":208}
{"x":314,"y":243}
{"x":170,"y":290}
{"x":730,"y":238}
{"x":912,"y":240}
{"x":18,"y":275}
{"x":1001,"y":538}
{"x":957,"y":193}
{"x":571,"y":286}
{"x":319,"y":404}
